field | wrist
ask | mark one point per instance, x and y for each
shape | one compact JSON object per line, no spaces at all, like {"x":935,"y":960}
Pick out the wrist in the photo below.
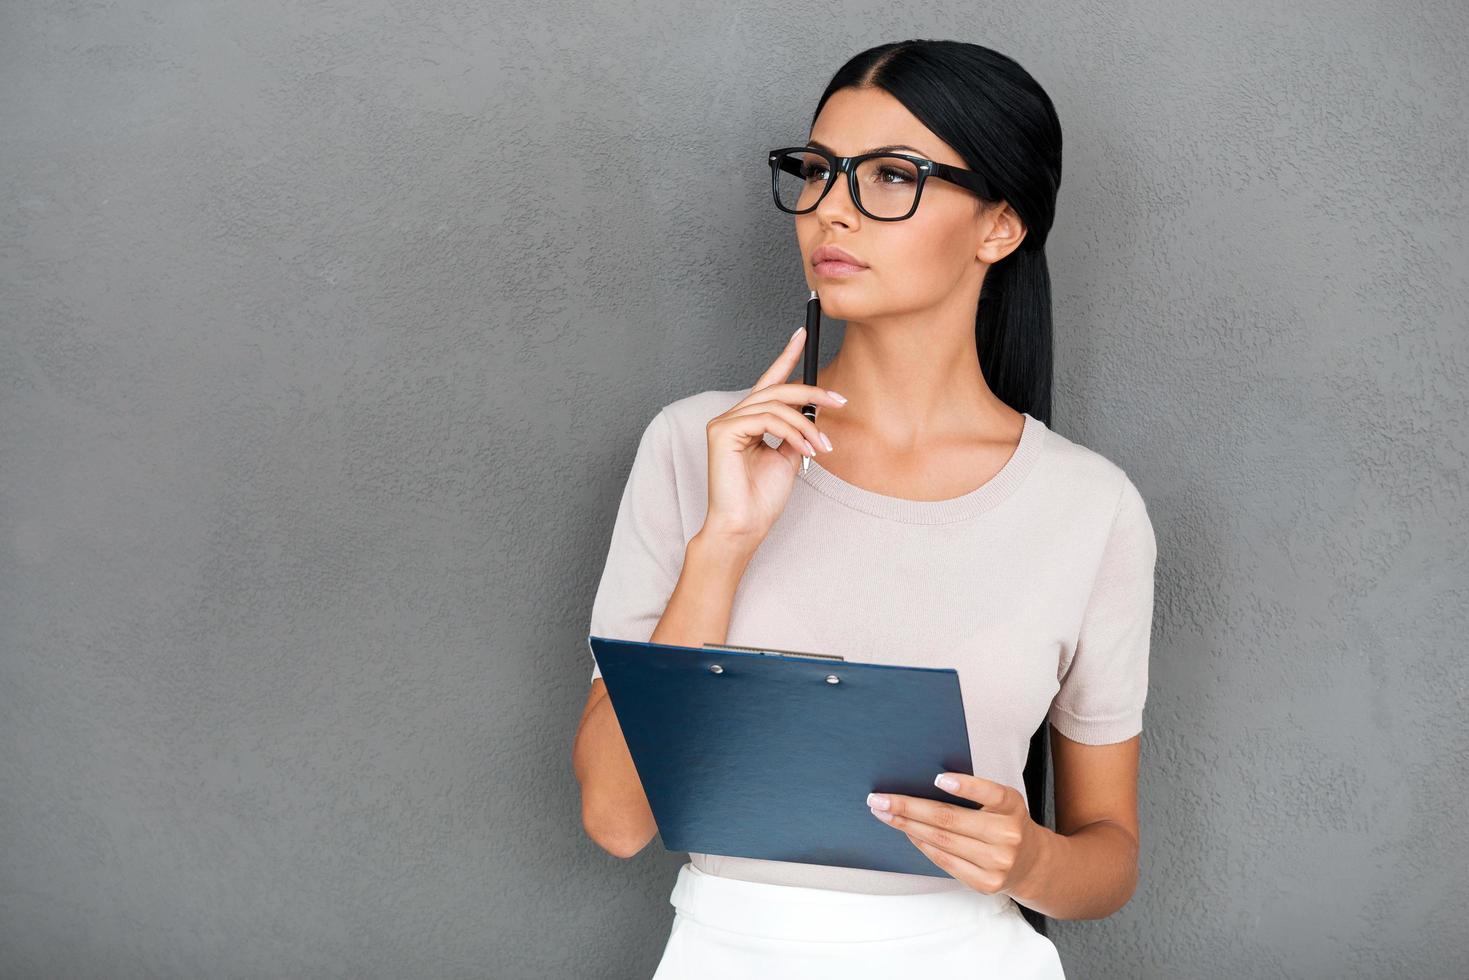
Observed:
{"x":1031,"y":889}
{"x":724,"y":552}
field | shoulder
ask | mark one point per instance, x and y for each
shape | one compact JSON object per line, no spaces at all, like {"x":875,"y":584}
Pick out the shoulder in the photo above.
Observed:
{"x":674,"y":439}
{"x":702,"y":406}
{"x":687,"y":416}
{"x":1088,"y":477}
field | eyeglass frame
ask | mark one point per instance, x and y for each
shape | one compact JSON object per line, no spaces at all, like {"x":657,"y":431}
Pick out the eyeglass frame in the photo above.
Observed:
{"x":926,"y":168}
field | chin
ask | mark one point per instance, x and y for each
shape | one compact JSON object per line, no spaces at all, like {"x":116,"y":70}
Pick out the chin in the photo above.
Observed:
{"x":849,"y":286}
{"x":844,"y":300}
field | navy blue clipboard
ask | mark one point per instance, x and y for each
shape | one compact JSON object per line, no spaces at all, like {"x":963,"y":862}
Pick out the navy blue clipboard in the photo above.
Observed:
{"x":755,"y":752}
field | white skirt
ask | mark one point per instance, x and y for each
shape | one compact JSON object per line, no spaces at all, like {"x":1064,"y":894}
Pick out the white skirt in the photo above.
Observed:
{"x":725,"y":928}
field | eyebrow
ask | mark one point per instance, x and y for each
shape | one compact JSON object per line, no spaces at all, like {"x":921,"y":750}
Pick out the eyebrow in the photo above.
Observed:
{"x":817,"y":144}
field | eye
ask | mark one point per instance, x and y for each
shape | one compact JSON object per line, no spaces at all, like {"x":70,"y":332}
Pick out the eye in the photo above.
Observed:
{"x":901,"y":175}
{"x":808,"y":170}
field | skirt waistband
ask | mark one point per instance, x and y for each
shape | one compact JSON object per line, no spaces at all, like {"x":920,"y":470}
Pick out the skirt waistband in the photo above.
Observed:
{"x":821,"y":914}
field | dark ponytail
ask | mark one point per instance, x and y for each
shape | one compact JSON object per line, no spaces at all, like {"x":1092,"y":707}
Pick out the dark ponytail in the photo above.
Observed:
{"x":1002,"y":123}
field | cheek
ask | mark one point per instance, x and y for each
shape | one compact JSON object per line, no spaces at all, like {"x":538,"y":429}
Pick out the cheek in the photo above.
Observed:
{"x":925,"y":255}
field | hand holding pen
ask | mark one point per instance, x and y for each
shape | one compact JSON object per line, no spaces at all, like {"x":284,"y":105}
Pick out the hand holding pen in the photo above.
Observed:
{"x":749,"y":480}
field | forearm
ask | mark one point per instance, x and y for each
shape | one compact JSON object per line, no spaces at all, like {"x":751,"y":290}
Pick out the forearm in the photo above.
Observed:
{"x":615,"y":810}
{"x":698,"y":611}
{"x":1088,"y":874}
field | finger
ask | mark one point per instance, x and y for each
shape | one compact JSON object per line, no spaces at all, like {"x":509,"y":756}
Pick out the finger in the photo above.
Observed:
{"x":754,"y":426}
{"x":995,"y":827}
{"x":981,"y":853}
{"x":991,"y":795}
{"x":781,"y":367}
{"x":990,"y":829}
{"x":812,"y":434}
{"x":791,"y":453}
{"x":793,"y":393}
{"x":979,"y":878}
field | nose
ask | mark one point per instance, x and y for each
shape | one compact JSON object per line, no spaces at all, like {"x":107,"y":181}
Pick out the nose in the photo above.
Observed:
{"x":837,"y":205}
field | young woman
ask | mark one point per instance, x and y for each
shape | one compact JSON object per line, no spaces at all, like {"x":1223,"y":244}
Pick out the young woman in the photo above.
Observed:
{"x":942,"y":522}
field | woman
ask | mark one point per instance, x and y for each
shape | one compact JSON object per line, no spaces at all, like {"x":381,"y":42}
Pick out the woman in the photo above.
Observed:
{"x":941,"y":523}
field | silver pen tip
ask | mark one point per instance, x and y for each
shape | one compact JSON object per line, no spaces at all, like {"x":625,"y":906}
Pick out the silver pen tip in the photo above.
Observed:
{"x":813,"y":294}
{"x":805,"y":463}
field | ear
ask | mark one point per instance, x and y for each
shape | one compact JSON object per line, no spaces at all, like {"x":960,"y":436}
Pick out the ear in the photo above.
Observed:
{"x":1004,"y":231}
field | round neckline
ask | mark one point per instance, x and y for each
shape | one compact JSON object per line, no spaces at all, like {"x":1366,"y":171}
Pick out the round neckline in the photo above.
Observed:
{"x":962,"y":507}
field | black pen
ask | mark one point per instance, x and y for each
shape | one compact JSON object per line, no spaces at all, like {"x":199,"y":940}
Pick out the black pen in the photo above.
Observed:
{"x":808,"y":367}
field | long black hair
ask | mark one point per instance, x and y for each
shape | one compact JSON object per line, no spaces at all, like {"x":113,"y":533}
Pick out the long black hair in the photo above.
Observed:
{"x":1002,"y":123}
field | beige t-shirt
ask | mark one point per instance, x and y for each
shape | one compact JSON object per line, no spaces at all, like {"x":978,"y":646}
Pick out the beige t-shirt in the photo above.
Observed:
{"x":1037,"y":587}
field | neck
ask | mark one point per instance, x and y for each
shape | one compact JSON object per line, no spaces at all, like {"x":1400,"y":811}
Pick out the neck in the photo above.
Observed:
{"x":910,"y":383}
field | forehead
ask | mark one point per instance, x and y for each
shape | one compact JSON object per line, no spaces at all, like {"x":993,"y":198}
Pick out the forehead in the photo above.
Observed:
{"x":855,"y":121}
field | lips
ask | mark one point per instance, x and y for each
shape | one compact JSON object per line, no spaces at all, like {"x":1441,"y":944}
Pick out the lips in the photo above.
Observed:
{"x":830,"y":253}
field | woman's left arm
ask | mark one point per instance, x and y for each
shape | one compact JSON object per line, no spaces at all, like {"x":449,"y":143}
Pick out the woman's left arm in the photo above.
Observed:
{"x":1087,"y":868}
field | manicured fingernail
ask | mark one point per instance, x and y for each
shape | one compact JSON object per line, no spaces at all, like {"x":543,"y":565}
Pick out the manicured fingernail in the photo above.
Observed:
{"x":825,"y":441}
{"x":944,"y":781}
{"x":798,"y":332}
{"x":877,"y":801}
{"x":883,"y":815}
{"x":839,"y":398}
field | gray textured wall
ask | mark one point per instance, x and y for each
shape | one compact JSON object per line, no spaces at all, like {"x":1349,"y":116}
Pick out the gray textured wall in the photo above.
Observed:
{"x":318,"y":393}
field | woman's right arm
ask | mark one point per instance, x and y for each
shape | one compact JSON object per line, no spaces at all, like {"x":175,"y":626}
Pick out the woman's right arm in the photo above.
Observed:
{"x":614,"y":808}
{"x":749,"y":484}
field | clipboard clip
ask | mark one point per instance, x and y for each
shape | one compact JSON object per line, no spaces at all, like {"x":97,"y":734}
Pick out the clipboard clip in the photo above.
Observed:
{"x":772,"y":651}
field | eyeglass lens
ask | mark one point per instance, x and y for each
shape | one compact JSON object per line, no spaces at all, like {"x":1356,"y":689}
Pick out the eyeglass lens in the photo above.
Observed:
{"x":886,"y":185}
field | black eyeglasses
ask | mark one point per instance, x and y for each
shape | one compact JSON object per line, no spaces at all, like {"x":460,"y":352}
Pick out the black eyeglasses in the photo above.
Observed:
{"x":884,"y":186}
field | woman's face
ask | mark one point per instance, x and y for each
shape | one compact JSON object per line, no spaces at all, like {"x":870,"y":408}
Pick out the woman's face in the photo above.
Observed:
{"x":914,"y":264}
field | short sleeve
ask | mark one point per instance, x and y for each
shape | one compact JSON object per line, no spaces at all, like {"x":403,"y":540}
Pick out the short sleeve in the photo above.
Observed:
{"x":646,"y":552}
{"x":1106,"y":682}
